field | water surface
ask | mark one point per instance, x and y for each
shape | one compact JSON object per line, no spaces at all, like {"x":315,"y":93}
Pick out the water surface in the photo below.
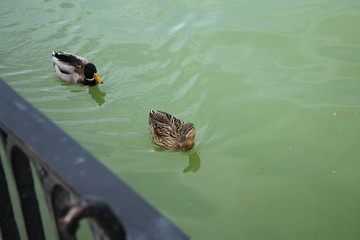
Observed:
{"x":271,"y":86}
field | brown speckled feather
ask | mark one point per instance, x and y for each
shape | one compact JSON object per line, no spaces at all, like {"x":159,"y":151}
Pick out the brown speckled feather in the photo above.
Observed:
{"x":168,"y":131}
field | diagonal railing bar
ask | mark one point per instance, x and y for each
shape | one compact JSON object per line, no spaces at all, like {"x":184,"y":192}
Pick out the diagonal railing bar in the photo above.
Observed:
{"x":69,"y":177}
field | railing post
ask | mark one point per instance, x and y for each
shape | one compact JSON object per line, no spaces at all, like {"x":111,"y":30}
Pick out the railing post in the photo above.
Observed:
{"x":8,"y":227}
{"x":20,"y":165}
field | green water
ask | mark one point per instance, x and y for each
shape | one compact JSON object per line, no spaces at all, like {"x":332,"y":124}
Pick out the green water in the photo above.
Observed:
{"x":273,"y":88}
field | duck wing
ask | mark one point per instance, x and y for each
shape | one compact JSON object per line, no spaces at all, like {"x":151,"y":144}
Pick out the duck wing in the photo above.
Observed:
{"x":175,"y":123}
{"x":165,"y":124}
{"x":69,"y":59}
{"x":69,"y":67}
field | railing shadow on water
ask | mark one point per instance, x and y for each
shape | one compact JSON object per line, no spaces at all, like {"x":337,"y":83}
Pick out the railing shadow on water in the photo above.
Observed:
{"x":74,"y":183}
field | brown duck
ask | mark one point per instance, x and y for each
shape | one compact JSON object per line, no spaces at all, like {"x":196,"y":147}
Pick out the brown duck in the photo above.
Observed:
{"x":170,"y":132}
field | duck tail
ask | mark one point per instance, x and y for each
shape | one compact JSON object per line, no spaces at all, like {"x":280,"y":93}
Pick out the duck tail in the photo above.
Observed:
{"x":59,"y":53}
{"x":152,"y":112}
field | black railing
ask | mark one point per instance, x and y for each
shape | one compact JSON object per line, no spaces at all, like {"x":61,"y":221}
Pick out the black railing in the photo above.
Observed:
{"x":75,"y":184}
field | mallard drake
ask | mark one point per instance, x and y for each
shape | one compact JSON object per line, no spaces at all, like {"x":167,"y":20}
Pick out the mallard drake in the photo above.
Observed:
{"x":170,"y":132}
{"x":74,"y":69}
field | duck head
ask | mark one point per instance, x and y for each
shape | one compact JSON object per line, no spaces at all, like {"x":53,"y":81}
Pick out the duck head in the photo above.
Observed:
{"x":187,"y":137}
{"x":91,"y":73}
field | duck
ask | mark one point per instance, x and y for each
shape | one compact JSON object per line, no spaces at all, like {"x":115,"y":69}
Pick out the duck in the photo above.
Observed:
{"x":75,"y":69}
{"x":170,"y":132}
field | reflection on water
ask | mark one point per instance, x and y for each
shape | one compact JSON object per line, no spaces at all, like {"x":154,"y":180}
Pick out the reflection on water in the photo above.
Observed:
{"x":97,"y":94}
{"x":193,"y":156}
{"x":194,"y":163}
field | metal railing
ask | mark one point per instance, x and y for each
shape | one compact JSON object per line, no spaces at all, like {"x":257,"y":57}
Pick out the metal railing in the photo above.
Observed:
{"x":74,"y":183}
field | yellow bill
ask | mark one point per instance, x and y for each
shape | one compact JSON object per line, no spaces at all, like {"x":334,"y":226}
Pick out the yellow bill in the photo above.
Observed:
{"x":98,"y":78}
